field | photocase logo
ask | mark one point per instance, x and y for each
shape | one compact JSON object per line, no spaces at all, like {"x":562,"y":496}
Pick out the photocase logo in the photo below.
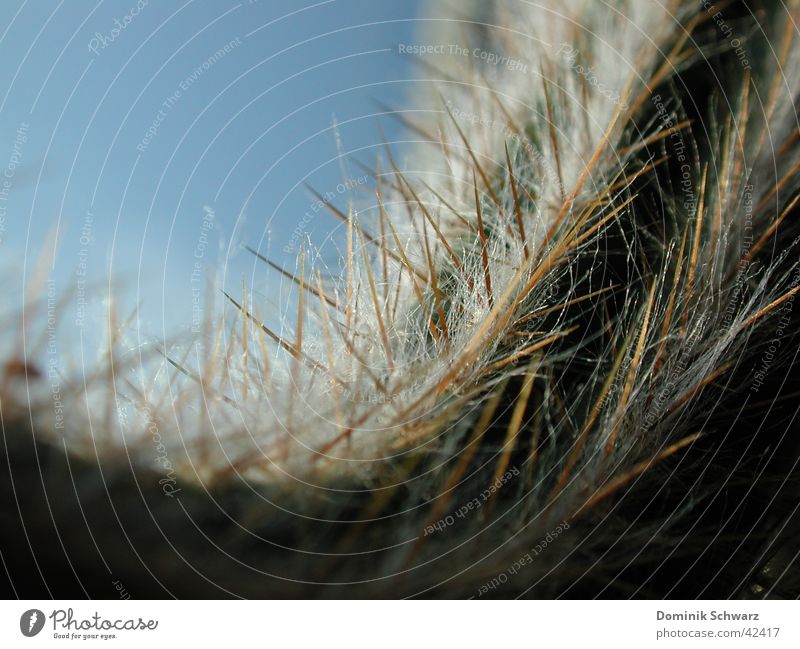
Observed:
{"x":31,"y":622}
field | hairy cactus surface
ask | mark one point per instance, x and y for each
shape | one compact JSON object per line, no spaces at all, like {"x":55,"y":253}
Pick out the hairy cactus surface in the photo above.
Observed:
{"x":552,"y":351}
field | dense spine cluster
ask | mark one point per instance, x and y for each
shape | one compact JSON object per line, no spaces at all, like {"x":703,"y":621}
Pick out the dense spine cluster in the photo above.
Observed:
{"x":571,"y":308}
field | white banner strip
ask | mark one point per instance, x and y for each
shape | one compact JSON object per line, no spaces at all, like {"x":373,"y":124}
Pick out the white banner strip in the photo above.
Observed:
{"x":404,"y":625}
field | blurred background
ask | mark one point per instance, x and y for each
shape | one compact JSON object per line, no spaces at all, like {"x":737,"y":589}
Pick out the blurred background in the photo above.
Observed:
{"x":148,"y":142}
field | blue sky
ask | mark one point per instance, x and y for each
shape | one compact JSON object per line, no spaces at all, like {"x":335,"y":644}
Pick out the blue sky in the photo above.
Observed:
{"x":155,"y":136}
